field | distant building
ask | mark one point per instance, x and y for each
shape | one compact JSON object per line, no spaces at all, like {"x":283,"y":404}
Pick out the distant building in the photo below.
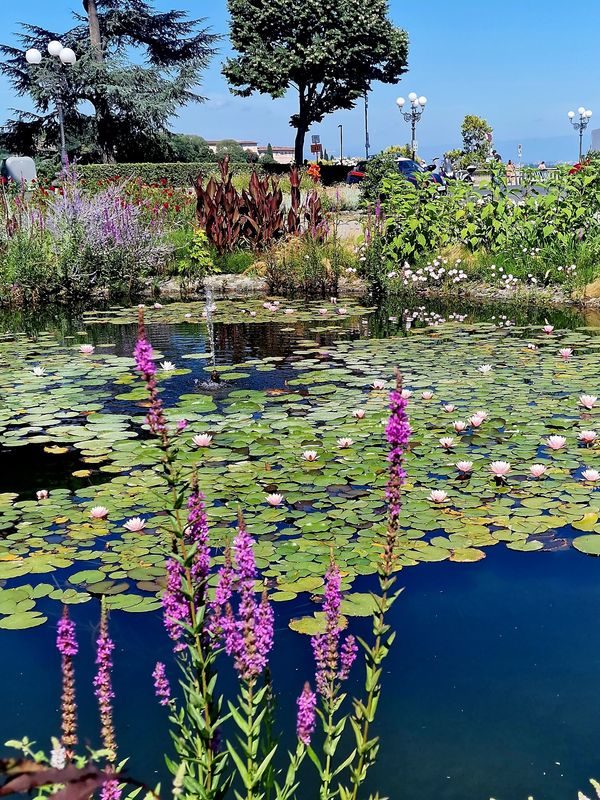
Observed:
{"x":282,"y":155}
{"x":596,"y":139}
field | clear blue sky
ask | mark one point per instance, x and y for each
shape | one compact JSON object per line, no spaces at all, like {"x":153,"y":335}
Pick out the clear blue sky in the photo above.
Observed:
{"x":520,"y":65}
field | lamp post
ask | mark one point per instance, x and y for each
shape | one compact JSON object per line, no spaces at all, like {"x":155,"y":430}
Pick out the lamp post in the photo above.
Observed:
{"x":580,"y":124}
{"x":56,"y":82}
{"x":341,"y":127}
{"x":413,"y":115}
{"x":367,"y":142}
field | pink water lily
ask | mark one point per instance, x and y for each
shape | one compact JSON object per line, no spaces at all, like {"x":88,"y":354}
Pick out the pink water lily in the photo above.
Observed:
{"x":565,"y":352}
{"x":342,"y":310}
{"x":537,"y":470}
{"x":548,"y":328}
{"x":86,"y":349}
{"x":98,"y":512}
{"x":253,"y":313}
{"x":135,"y":524}
{"x":556,"y":442}
{"x":459,"y":425}
{"x":157,"y":305}
{"x":202,"y":439}
{"x":438,"y":496}
{"x":358,"y":413}
{"x":310,"y":455}
{"x":464,"y":466}
{"x":587,"y":437}
{"x":449,"y":408}
{"x":427,"y":394}
{"x":274,"y":499}
{"x":591,"y":475}
{"x":475,"y":421}
{"x":345,"y":442}
{"x":323,"y":311}
{"x":42,"y":494}
{"x":483,"y":415}
{"x":406,"y":394}
{"x":587,"y":401}
{"x":447,"y":442}
{"x":500,"y":469}
{"x":289,"y":311}
{"x":378,"y":384}
{"x":187,"y":316}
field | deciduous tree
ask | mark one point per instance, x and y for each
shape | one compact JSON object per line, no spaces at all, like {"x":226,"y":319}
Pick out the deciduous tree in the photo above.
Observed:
{"x":329,"y":51}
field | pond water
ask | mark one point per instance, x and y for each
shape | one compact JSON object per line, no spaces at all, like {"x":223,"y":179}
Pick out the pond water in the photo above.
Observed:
{"x":492,"y":686}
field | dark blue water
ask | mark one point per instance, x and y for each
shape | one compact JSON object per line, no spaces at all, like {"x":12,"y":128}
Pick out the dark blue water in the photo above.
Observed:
{"x":492,"y":689}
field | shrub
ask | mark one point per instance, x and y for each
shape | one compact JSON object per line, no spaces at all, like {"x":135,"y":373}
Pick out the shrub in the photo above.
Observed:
{"x":303,"y":266}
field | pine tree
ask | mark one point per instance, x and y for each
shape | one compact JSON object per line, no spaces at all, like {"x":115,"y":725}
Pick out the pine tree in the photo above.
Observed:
{"x":132,"y":100}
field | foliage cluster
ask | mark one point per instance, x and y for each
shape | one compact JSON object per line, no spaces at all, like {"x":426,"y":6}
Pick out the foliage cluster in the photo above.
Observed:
{"x":537,"y":234}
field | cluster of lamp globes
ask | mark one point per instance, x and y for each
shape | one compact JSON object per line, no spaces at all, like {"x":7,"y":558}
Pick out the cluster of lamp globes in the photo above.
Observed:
{"x":65,"y":54}
{"x":583,"y":113}
{"x":416,"y":102}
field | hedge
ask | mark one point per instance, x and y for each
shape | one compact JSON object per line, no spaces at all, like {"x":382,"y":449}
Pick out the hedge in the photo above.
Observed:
{"x":183,"y":173}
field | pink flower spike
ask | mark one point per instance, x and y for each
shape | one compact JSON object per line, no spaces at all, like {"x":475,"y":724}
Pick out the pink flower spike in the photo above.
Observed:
{"x":464,"y":466}
{"x":135,"y":524}
{"x":438,"y":496}
{"x":537,"y":470}
{"x":556,"y":442}
{"x":427,"y":395}
{"x":591,"y":475}
{"x":274,"y":499}
{"x":358,"y":413}
{"x":587,"y":401}
{"x":310,"y":455}
{"x":459,"y":425}
{"x":587,"y":437}
{"x":565,"y":353}
{"x":202,"y":439}
{"x":98,"y":512}
{"x":447,"y":442}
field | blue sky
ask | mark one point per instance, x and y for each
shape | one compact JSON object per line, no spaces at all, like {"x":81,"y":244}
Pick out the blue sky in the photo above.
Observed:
{"x":519,"y":65}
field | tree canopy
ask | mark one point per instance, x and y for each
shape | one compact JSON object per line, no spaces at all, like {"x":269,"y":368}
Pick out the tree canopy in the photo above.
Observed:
{"x":135,"y":66}
{"x":474,"y":132}
{"x":329,"y":51}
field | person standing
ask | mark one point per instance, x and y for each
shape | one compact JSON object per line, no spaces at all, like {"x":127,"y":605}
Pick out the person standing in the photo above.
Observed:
{"x":511,"y":173}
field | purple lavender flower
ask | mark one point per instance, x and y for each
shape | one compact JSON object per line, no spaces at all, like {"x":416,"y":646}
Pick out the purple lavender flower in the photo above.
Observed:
{"x":110,"y":790}
{"x":103,"y":685}
{"x":162,"y":688}
{"x":306,"y":719}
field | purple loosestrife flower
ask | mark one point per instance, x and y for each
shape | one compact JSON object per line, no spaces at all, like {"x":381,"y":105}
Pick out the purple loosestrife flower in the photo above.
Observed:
{"x":306,"y":719}
{"x":248,"y":634}
{"x":144,"y":360}
{"x":398,"y":435}
{"x":66,"y":644}
{"x":103,"y":686}
{"x":196,"y":534}
{"x":176,"y":608}
{"x":162,"y":688}
{"x":110,"y":790}
{"x":326,"y":646}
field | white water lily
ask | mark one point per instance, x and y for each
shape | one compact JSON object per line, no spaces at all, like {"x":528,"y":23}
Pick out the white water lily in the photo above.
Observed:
{"x":39,"y":372}
{"x":167,"y":366}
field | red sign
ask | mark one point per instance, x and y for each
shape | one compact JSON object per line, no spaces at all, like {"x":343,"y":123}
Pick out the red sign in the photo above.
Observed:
{"x":315,"y":148}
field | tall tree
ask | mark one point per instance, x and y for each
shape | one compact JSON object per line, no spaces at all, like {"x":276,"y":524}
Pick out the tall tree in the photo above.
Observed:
{"x":328,"y":51}
{"x":475,"y":132}
{"x":136,"y":66}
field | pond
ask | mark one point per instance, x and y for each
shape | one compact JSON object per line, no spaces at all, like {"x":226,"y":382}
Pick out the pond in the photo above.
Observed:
{"x":492,"y":685}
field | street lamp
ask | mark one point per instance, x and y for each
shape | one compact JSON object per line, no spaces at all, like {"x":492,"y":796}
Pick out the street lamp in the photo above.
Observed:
{"x":413,"y":115}
{"x":56,"y":82}
{"x":580,"y":124}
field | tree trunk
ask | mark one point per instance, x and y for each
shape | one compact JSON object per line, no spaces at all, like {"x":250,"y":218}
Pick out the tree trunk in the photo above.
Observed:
{"x":94,"y":25}
{"x":103,"y":117}
{"x":299,"y":143}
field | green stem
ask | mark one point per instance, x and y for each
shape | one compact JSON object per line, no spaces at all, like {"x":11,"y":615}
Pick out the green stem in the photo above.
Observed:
{"x":250,"y":741}
{"x":325,"y":792}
